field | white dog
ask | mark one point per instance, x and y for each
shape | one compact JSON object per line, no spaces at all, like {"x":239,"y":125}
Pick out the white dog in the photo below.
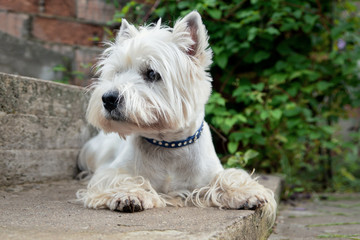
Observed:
{"x":152,"y":91}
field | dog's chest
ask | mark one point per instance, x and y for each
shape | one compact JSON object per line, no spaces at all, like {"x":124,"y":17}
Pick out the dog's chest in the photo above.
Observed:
{"x":170,"y":170}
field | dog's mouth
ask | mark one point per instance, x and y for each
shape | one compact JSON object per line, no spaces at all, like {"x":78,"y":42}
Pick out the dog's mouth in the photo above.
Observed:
{"x":115,"y":115}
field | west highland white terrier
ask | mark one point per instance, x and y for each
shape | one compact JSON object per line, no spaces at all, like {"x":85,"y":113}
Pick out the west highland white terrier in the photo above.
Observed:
{"x":152,"y":90}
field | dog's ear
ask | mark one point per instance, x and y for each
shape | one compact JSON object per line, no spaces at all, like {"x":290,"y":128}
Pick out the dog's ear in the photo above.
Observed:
{"x":191,"y":36}
{"x":127,"y":31}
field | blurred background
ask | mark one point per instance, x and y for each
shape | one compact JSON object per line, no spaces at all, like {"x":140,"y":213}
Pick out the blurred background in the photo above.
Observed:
{"x":286,"y":74}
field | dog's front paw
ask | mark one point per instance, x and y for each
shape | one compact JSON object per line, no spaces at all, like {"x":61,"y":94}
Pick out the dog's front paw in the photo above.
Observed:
{"x":126,"y":203}
{"x":252,"y":203}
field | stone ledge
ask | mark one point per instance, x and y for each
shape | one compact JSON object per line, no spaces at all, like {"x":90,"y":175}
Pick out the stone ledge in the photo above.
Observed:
{"x":33,"y":96}
{"x":48,"y":211}
{"x":42,"y":129}
{"x":27,"y":166}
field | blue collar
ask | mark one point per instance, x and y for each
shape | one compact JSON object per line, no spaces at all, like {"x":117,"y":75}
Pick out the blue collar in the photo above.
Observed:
{"x":178,"y":144}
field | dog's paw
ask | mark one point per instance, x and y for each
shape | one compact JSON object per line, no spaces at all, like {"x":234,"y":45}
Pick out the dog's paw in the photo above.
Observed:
{"x":126,"y":203}
{"x":252,"y":203}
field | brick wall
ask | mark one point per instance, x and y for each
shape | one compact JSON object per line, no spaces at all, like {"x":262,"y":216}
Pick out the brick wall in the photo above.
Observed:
{"x":70,"y":29}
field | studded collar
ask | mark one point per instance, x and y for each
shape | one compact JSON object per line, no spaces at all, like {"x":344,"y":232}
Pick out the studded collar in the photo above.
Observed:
{"x":178,"y":144}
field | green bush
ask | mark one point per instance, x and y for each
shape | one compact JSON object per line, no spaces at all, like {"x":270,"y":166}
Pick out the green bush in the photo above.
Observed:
{"x":283,"y":72}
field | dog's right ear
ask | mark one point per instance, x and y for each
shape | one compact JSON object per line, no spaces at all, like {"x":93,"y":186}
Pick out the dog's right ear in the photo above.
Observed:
{"x":127,"y":31}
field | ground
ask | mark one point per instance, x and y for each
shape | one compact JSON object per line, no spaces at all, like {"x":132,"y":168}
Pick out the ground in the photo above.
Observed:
{"x":325,"y":216}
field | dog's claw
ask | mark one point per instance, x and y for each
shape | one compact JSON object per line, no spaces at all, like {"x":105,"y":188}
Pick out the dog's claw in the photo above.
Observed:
{"x":138,"y":208}
{"x":129,"y":205}
{"x":253,"y":205}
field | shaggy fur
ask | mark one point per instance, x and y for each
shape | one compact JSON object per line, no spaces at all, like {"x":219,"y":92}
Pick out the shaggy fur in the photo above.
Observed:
{"x":158,"y":85}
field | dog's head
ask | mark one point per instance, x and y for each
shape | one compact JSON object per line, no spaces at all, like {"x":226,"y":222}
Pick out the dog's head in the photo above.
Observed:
{"x":153,"y":78}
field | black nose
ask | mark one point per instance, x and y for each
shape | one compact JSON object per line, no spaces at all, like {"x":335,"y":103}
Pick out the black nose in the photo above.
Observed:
{"x":110,"y":100}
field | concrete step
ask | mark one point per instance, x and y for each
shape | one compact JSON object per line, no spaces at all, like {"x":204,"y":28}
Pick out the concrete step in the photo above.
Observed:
{"x":49,"y":211}
{"x":42,"y":128}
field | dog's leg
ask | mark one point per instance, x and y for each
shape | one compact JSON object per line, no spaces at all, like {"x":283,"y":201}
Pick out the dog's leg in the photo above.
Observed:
{"x":235,"y":189}
{"x":99,"y":151}
{"x":116,"y":190}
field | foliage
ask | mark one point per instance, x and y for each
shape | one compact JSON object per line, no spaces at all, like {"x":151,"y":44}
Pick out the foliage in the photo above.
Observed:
{"x":67,"y":74}
{"x":283,"y":71}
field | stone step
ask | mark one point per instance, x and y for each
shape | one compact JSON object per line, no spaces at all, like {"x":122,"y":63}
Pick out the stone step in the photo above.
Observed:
{"x":42,"y":128}
{"x":49,"y":211}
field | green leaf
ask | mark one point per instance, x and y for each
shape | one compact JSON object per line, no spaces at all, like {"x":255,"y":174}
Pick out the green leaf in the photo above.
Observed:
{"x":233,"y":146}
{"x":277,"y":113}
{"x":322,"y":86}
{"x":241,"y":90}
{"x":60,"y":68}
{"x":308,"y":89}
{"x":222,"y":60}
{"x":228,"y":124}
{"x":292,"y":112}
{"x":259,"y":86}
{"x":298,"y":13}
{"x":261,"y":55}
{"x":272,"y":31}
{"x":244,"y":45}
{"x":214,"y":13}
{"x":278,"y":78}
{"x":183,"y":4}
{"x":281,"y":138}
{"x":299,"y":189}
{"x":311,"y":19}
{"x":217,"y":49}
{"x":264,"y":115}
{"x":314,"y":135}
{"x":240,"y":117}
{"x":252,"y":33}
{"x":244,"y":13}
{"x":236,"y":136}
{"x":281,"y":65}
{"x":347,"y":174}
{"x":250,"y":154}
{"x":278,"y":99}
{"x":295,"y":74}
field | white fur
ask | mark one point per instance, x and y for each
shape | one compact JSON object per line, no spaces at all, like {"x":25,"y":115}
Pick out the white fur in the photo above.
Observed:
{"x":131,"y":174}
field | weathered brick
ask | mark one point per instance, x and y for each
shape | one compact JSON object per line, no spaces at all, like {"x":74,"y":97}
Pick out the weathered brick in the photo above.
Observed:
{"x":60,"y":48}
{"x":85,"y":58}
{"x":24,"y":57}
{"x":15,"y":24}
{"x":97,"y":11}
{"x":29,"y":6}
{"x":61,"y":31}
{"x":65,"y":8}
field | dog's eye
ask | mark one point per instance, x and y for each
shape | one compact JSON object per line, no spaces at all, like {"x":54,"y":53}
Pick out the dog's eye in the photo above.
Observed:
{"x":152,"y":76}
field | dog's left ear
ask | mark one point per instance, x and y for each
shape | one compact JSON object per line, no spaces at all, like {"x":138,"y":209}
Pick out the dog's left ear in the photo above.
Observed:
{"x":191,"y":36}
